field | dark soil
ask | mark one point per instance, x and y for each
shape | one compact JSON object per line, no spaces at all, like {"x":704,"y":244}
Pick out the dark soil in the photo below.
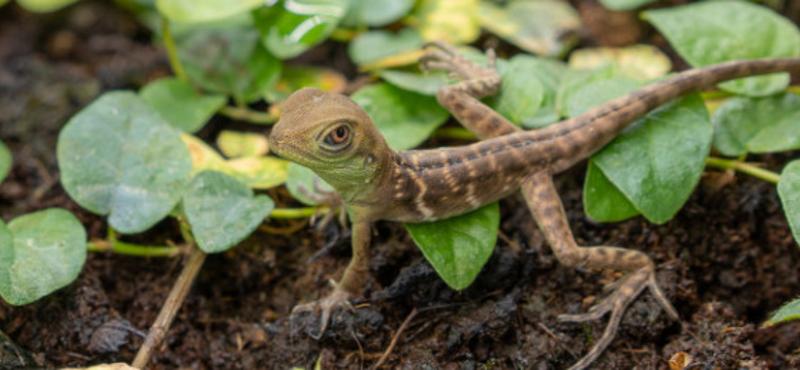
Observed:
{"x":727,"y":260}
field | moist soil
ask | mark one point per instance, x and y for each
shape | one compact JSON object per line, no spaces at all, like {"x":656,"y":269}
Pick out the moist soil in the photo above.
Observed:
{"x":727,"y":259}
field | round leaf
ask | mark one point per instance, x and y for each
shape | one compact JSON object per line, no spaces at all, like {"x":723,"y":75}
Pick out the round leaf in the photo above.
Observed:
{"x":41,"y":253}
{"x":204,"y":10}
{"x":222,"y":211}
{"x":458,"y":247}
{"x":716,"y":31}
{"x":453,"y":21}
{"x":304,"y":185}
{"x":658,"y":162}
{"x":521,"y":94}
{"x":230,"y":61}
{"x":757,"y":125}
{"x":540,"y":27}
{"x":789,"y":192}
{"x":372,"y":46}
{"x":5,"y":161}
{"x":376,"y":13}
{"x":293,"y":26}
{"x":180,"y":104}
{"x":235,"y":144}
{"x":404,"y":118}
{"x":602,"y":200}
{"x":118,"y":157}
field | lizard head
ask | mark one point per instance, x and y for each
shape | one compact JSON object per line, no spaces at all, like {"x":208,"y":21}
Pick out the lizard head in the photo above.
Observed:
{"x":334,"y":137}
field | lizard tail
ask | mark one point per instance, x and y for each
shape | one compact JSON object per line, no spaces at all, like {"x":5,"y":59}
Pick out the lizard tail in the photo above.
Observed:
{"x":583,"y":135}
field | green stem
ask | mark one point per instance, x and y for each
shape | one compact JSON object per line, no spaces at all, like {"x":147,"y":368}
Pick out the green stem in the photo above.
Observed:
{"x":119,"y":247}
{"x":245,"y":114}
{"x":169,"y":43}
{"x":743,"y":167}
{"x":458,"y":133}
{"x":285,"y":213}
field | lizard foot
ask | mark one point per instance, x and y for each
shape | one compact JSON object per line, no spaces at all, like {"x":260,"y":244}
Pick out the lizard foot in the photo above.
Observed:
{"x":447,"y":58}
{"x":625,"y":291}
{"x":337,"y":298}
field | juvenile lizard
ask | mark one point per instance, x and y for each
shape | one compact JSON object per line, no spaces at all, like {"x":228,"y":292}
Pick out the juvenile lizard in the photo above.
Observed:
{"x":334,"y":137}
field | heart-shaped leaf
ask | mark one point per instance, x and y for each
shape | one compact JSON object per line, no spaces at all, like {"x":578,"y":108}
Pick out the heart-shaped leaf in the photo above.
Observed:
{"x":376,"y":13}
{"x":180,"y":104}
{"x":458,"y":247}
{"x":118,"y":157}
{"x":230,"y":61}
{"x":204,"y":10}
{"x":657,"y":163}
{"x":289,"y":28}
{"x":222,"y":211}
{"x":404,"y":118}
{"x":544,"y":27}
{"x":602,"y":200}
{"x":789,"y":192}
{"x":40,"y":253}
{"x":5,"y":161}
{"x":757,"y":125}
{"x":717,"y":31}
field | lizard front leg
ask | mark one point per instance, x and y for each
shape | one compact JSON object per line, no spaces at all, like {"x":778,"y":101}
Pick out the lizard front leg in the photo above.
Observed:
{"x":351,"y":283}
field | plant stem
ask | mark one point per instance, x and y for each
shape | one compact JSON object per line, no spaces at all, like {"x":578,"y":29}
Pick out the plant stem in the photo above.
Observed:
{"x":170,"y":308}
{"x":285,"y":213}
{"x":169,"y":44}
{"x":245,"y":114}
{"x":129,"y":249}
{"x":743,"y":167}
{"x":458,"y":133}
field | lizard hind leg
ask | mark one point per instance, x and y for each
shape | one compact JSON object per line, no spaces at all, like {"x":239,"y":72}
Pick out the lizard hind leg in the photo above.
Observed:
{"x":546,"y":207}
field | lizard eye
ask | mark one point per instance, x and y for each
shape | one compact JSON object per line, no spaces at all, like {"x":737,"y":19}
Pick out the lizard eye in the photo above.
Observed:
{"x":338,"y":136}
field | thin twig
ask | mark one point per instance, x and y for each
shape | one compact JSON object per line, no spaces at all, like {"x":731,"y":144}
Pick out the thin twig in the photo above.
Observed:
{"x":744,"y":167}
{"x":394,"y":339}
{"x":170,"y":308}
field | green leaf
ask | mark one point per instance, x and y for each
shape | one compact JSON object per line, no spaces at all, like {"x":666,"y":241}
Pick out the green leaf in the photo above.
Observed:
{"x":293,"y":26}
{"x":42,"y":252}
{"x":222,"y":211}
{"x":658,"y":162}
{"x":230,"y":61}
{"x":424,"y":83}
{"x":598,"y":92}
{"x":376,"y":13}
{"x":602,"y":200}
{"x":372,"y":46}
{"x":716,"y":31}
{"x":404,"y":118}
{"x":789,"y":311}
{"x":5,"y":161}
{"x":622,"y":5}
{"x":236,"y":144}
{"x":458,"y":247}
{"x":43,"y":6}
{"x":303,"y":184}
{"x":545,"y":27}
{"x":118,"y":157}
{"x":789,"y":192}
{"x":204,"y":10}
{"x":574,"y":80}
{"x":296,"y":77}
{"x":757,"y":125}
{"x":180,"y":104}
{"x":521,"y":94}
{"x":3,"y":2}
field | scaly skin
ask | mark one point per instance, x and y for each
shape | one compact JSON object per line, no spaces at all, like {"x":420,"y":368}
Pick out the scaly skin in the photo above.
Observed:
{"x":333,"y":136}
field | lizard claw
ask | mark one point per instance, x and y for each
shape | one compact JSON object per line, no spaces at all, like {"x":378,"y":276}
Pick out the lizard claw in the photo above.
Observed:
{"x":337,"y":298}
{"x":625,"y":291}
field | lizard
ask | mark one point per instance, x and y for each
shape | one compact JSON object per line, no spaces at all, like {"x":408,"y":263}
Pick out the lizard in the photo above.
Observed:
{"x":330,"y":134}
